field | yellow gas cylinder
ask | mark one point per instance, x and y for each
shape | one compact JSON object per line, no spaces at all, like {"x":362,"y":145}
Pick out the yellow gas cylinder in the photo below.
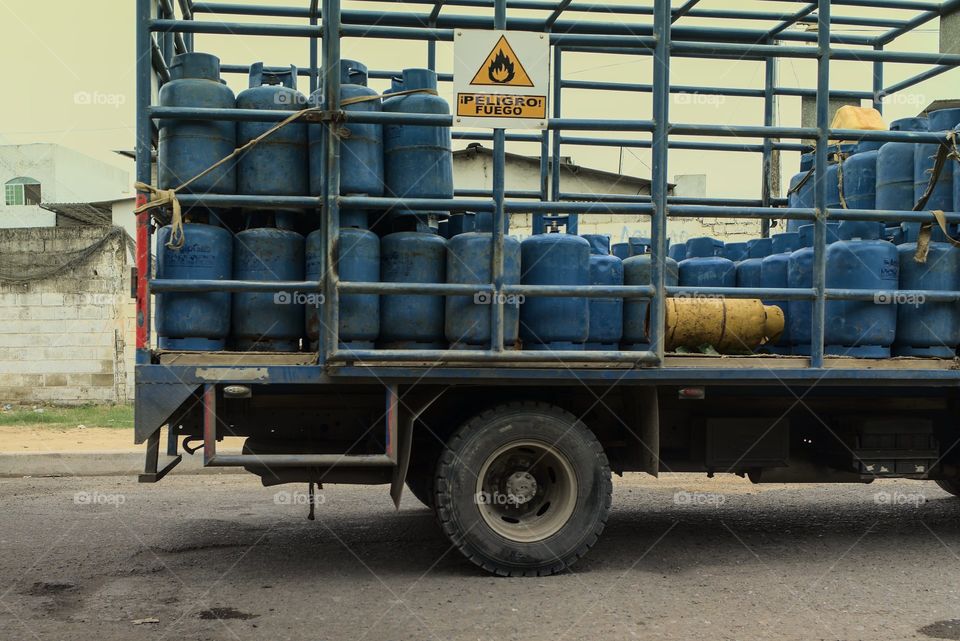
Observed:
{"x":729,"y":325}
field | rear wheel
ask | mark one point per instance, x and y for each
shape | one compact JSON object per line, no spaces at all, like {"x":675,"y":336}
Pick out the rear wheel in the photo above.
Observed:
{"x":523,"y":489}
{"x":952,"y":486}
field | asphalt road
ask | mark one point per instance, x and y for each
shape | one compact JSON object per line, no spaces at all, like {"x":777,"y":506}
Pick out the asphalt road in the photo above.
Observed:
{"x":219,"y":557}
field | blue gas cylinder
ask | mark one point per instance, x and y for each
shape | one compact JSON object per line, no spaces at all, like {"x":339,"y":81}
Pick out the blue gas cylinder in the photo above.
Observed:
{"x":187,"y":147}
{"x":837,"y":155}
{"x":942,"y":121}
{"x":460,"y":223}
{"x":860,"y":176}
{"x":621,"y":250}
{"x":860,"y":260}
{"x":894,"y":235}
{"x":418,"y":162}
{"x":800,"y":275}
{"x":636,"y":272}
{"x":606,"y":314}
{"x":705,"y":267}
{"x":484,"y":222}
{"x":361,"y":152}
{"x":269,"y":322}
{"x":800,"y":192}
{"x":277,"y":166}
{"x":735,"y":251}
{"x":926,"y":328}
{"x":547,"y":322}
{"x":467,"y":323}
{"x":187,"y":320}
{"x":396,"y":84}
{"x":773,"y":274}
{"x":358,"y":260}
{"x":748,"y":270}
{"x":412,"y":321}
{"x":638,"y":244}
{"x":895,"y":169}
{"x":677,"y":252}
{"x":956,"y":178}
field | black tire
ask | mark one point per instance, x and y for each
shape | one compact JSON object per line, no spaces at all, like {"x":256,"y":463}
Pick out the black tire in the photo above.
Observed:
{"x":570,"y":515}
{"x":951,"y":486}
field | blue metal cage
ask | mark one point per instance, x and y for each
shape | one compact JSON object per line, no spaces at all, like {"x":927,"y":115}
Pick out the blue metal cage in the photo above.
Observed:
{"x":656,"y":31}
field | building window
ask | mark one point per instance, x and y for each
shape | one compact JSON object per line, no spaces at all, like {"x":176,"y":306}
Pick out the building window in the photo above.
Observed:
{"x":22,"y":191}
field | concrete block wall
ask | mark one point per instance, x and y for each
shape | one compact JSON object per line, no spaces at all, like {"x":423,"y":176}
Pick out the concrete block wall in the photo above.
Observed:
{"x":70,"y":338}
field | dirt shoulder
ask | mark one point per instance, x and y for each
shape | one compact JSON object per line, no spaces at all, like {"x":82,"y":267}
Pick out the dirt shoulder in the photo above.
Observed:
{"x":44,"y":438}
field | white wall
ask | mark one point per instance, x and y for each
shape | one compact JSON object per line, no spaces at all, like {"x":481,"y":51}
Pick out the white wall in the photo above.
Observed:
{"x":122,"y":216}
{"x":25,"y":216}
{"x":68,"y":339}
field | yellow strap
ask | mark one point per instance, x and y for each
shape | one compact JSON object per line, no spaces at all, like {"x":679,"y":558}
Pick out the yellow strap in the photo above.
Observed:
{"x":944,"y":151}
{"x":163,"y":197}
{"x":923,"y":239}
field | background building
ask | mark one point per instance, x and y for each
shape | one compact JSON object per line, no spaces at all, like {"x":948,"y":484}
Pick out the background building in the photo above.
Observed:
{"x":473,"y":169}
{"x":66,"y":316}
{"x":45,"y":173}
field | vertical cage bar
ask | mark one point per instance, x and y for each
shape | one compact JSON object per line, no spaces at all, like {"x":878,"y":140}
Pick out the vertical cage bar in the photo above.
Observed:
{"x":432,"y":43}
{"x":330,"y":213}
{"x":186,"y":10}
{"x":499,"y":180}
{"x":536,"y":221}
{"x":820,"y":185}
{"x":878,"y":82}
{"x":143,"y":170}
{"x":557,"y":111}
{"x":659,"y":184}
{"x":769,"y":106}
{"x":314,"y":72}
{"x":167,"y":38}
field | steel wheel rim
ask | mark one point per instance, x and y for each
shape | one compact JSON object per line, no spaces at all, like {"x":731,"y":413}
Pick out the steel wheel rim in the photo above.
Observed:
{"x":526,"y":491}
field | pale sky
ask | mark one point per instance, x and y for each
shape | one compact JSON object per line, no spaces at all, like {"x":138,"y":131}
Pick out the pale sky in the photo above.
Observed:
{"x":70,"y":80}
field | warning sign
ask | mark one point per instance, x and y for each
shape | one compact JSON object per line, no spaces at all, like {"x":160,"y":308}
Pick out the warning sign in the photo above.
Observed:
{"x":501,"y":79}
{"x":483,"y":105}
{"x":502,"y":68}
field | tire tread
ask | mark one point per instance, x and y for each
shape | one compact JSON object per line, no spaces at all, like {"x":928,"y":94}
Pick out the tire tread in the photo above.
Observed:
{"x":448,"y":459}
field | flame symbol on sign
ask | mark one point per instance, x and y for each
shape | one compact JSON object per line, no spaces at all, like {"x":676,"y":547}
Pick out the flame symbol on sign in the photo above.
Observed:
{"x":501,"y":69}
